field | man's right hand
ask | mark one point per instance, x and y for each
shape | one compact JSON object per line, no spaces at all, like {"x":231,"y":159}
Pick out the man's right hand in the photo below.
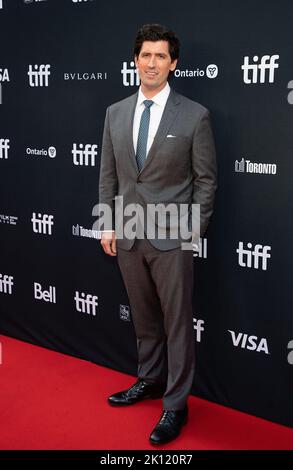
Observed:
{"x":108,"y":242}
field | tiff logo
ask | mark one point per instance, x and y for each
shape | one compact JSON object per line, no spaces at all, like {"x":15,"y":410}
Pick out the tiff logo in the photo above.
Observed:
{"x":39,"y":76}
{"x":42,"y":223}
{"x":197,"y":326}
{"x":245,"y":256}
{"x":251,"y":72}
{"x":86,"y":155}
{"x":46,"y":295}
{"x":6,"y":283}
{"x":86,"y":303}
{"x":130,"y":75}
{"x":4,"y":147}
{"x":250,"y":342}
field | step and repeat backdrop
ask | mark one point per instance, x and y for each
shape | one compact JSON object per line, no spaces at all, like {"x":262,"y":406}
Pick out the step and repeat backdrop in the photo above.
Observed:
{"x":61,"y":64}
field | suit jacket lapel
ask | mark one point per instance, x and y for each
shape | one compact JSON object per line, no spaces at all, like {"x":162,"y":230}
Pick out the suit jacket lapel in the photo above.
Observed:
{"x":169,"y":114}
{"x":129,"y":116}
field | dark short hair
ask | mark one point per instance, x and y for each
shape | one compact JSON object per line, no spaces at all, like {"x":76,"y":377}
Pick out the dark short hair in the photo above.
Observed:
{"x":157,"y":32}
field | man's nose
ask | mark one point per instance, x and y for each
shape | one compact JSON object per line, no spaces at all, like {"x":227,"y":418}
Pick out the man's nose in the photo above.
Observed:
{"x":152,"y":61}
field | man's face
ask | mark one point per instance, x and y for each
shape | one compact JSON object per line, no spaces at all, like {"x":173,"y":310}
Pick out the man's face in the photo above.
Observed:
{"x":154,"y":64}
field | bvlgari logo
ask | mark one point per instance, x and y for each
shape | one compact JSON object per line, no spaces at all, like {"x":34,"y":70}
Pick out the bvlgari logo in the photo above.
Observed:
{"x":84,"y":76}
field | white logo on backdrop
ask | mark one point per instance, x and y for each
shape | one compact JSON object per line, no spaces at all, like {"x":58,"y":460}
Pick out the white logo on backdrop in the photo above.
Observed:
{"x":290,"y":94}
{"x":290,"y":355}
{"x":84,"y":76}
{"x":4,"y":147}
{"x":250,"y":342}
{"x":246,"y":166}
{"x":200,"y":250}
{"x":261,"y":71}
{"x":130,"y":76}
{"x":198,"y":327}
{"x":211,"y":71}
{"x":85,"y":155}
{"x":42,"y":223}
{"x":86,"y":303}
{"x":33,"y":1}
{"x":6,"y":283}
{"x":4,"y":77}
{"x":8,"y":219}
{"x":246,"y":256}
{"x":39,"y":75}
{"x":124,"y":312}
{"x":80,"y":231}
{"x":51,"y":152}
{"x":46,"y":295}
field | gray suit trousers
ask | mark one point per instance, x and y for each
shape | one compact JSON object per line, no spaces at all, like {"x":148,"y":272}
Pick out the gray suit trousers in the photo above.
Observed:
{"x":159,"y":286}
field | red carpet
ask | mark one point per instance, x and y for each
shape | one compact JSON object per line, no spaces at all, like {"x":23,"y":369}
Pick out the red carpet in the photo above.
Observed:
{"x":53,"y":401}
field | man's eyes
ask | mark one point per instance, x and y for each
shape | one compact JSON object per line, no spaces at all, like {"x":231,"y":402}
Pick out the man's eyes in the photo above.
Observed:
{"x":161,"y":56}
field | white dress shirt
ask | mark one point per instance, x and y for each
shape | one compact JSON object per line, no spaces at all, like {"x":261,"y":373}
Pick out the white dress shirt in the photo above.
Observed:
{"x":156,"y":111}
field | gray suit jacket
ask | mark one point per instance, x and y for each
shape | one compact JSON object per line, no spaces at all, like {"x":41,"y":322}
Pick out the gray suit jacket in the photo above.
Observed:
{"x":179,"y":169}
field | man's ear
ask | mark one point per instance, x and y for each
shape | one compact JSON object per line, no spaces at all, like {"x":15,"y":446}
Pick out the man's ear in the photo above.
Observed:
{"x":173,"y":65}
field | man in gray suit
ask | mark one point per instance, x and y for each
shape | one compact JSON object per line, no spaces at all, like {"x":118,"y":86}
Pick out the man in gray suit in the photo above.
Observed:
{"x":158,"y":148}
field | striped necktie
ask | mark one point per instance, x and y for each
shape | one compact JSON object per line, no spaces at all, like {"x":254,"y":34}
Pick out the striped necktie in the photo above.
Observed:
{"x":142,"y":139}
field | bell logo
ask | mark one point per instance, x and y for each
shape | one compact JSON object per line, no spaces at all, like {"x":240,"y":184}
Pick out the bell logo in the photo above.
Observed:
{"x":250,"y":342}
{"x":46,"y":295}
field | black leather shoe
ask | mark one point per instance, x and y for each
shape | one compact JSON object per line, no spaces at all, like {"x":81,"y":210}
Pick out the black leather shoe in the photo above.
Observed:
{"x":141,"y":390}
{"x":169,"y":426}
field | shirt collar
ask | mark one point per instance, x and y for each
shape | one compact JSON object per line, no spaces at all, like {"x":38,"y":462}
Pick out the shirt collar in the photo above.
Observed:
{"x":160,"y":98}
